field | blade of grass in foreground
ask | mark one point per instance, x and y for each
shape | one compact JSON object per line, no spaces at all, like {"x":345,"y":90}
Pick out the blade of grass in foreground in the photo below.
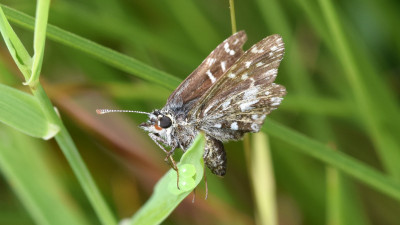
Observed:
{"x":336,"y":159}
{"x":166,"y":197}
{"x":15,"y":46}
{"x":42,"y":14}
{"x":63,"y":138}
{"x":106,"y":55}
{"x":23,"y":163}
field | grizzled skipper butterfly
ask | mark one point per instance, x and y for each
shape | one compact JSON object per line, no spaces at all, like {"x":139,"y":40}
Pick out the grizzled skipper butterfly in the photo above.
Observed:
{"x":228,"y":95}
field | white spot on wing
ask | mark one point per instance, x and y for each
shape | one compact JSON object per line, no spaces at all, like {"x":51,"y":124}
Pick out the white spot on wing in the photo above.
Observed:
{"x":271,"y":72}
{"x":211,"y":61}
{"x":274,"y":48}
{"x":255,"y":50}
{"x":223,"y":66}
{"x":217,"y":125}
{"x":207,"y":109}
{"x":247,"y":64}
{"x":226,"y":47}
{"x":234,"y":126}
{"x":236,"y":41}
{"x":254,"y":117}
{"x":247,"y":105}
{"x":250,"y":93}
{"x":232,"y":75}
{"x":210,"y":75}
{"x":244,"y":76}
{"x":255,"y":127}
{"x":275,"y":101}
{"x":267,"y":92}
{"x":226,"y":104}
{"x":259,"y":64}
{"x":231,"y":52}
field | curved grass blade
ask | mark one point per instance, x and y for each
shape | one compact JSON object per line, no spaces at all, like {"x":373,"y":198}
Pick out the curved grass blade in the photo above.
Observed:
{"x":164,"y":199}
{"x":15,"y":46}
{"x":106,"y":55}
{"x":24,"y":162}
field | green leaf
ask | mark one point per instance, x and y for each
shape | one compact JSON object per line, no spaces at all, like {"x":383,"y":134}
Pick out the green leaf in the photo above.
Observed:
{"x":15,"y":46}
{"x":385,"y":142}
{"x":262,"y":177}
{"x":163,"y":201}
{"x":25,"y":164}
{"x":42,"y":13}
{"x":344,"y":163}
{"x":22,"y":112}
{"x":106,"y":55}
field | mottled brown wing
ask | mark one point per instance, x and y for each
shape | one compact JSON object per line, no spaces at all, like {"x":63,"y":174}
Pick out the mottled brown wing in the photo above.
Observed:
{"x":209,"y":71}
{"x":239,"y":101}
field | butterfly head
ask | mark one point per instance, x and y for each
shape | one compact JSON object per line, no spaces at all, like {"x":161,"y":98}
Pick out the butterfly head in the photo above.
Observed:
{"x":159,"y":122}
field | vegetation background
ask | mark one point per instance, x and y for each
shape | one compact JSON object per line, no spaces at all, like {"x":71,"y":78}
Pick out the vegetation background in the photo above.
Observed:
{"x":341,"y":70}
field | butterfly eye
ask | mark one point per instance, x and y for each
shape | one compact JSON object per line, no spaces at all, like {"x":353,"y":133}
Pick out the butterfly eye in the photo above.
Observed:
{"x":165,"y":122}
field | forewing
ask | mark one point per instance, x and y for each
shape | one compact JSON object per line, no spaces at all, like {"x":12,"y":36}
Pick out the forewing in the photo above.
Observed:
{"x":239,"y":101}
{"x":209,"y":71}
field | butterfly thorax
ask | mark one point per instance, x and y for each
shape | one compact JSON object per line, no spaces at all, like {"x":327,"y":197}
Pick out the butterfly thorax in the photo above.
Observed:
{"x":171,"y":128}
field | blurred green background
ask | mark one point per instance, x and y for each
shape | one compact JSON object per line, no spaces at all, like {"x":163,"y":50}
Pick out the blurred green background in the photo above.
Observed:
{"x":341,"y":70}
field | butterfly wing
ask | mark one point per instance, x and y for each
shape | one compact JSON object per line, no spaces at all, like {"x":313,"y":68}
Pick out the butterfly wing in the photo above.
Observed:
{"x":209,"y":71}
{"x":240,"y":100}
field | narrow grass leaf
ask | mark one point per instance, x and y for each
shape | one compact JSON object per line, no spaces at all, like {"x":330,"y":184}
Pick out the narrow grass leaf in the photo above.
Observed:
{"x":42,"y":14}
{"x":262,"y":177}
{"x":386,"y":143}
{"x":15,"y":46}
{"x":106,"y":55}
{"x":343,"y":201}
{"x":333,"y":197}
{"x":23,"y":164}
{"x":22,"y":112}
{"x":344,"y":163}
{"x":164,"y":199}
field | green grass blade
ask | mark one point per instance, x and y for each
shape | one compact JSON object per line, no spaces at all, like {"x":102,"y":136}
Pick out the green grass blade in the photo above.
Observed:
{"x":385,"y":142}
{"x":196,"y":24}
{"x":22,"y":112}
{"x":334,"y":197}
{"x":42,"y":14}
{"x":76,"y":162}
{"x":163,"y":202}
{"x":107,"y":55}
{"x":83,"y":175}
{"x":24,"y":165}
{"x":343,"y":205}
{"x":15,"y":46}
{"x":262,"y":177}
{"x":344,"y":163}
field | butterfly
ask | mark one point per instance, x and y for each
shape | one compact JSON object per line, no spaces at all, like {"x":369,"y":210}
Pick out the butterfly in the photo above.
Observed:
{"x":228,"y":95}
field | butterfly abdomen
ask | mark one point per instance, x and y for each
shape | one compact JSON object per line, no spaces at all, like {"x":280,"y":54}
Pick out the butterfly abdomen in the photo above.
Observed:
{"x":215,"y":156}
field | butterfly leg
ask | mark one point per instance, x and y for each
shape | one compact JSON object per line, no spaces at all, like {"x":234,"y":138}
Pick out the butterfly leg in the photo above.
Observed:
{"x":157,"y":140}
{"x":215,"y":156}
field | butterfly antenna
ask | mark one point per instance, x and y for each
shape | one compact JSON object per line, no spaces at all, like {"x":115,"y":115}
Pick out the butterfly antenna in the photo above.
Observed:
{"x":104,"y":111}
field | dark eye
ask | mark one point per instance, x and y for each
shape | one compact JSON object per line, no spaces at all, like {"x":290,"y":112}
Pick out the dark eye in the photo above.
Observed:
{"x":165,"y":122}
